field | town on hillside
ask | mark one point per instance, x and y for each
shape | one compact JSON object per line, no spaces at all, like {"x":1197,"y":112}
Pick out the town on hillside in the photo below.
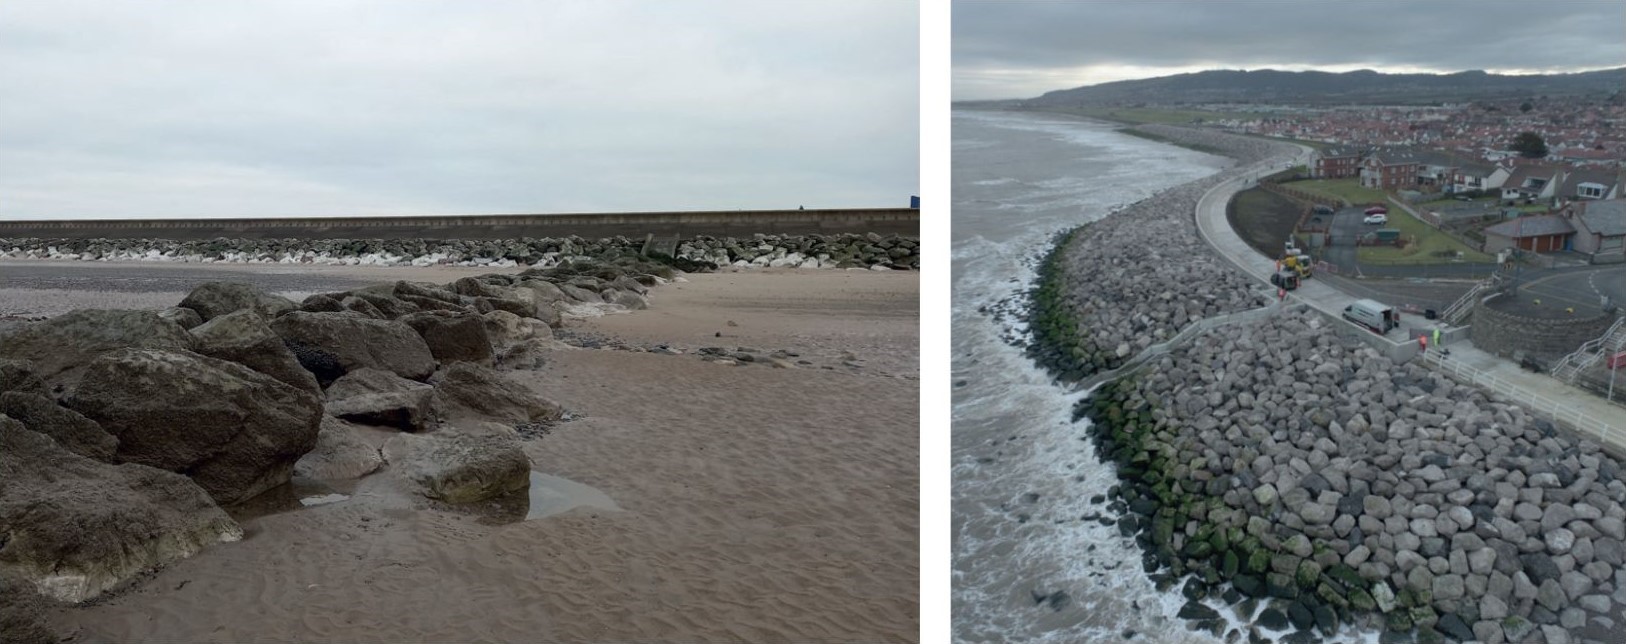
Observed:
{"x":1526,"y":174}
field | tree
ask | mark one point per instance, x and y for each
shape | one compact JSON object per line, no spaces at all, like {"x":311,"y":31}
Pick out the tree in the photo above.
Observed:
{"x":1529,"y":145}
{"x":1526,"y":106}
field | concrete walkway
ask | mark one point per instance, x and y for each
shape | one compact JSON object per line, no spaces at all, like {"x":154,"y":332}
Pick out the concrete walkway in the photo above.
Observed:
{"x":1578,"y":410}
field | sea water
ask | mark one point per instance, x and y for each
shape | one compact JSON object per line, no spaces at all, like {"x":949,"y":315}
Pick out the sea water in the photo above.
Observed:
{"x":1032,"y":560}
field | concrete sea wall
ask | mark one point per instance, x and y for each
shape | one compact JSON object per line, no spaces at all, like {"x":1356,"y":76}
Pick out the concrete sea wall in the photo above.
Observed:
{"x":731,"y":223}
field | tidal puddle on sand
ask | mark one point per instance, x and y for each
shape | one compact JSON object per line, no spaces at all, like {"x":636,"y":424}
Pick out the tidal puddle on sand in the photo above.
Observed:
{"x":552,"y":495}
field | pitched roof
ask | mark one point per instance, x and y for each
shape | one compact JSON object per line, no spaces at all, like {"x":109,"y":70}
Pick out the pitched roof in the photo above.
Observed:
{"x":1536,"y":226}
{"x":1578,"y":176}
{"x":1395,"y":156}
{"x":1520,"y":173}
{"x":1606,"y":217}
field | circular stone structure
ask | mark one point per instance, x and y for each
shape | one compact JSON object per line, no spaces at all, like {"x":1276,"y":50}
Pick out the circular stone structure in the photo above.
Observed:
{"x":1507,"y":323}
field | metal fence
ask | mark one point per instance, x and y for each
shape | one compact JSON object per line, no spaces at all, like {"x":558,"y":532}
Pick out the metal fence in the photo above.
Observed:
{"x":1610,"y":435}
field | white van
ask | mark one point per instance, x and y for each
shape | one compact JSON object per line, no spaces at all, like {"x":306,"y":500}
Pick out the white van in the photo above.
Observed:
{"x":1372,"y":315}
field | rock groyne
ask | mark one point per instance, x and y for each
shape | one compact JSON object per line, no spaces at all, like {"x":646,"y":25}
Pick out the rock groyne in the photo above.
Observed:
{"x":871,"y":251}
{"x":125,"y":434}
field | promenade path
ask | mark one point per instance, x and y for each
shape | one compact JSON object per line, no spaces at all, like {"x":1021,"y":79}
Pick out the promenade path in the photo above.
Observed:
{"x":1564,"y":404}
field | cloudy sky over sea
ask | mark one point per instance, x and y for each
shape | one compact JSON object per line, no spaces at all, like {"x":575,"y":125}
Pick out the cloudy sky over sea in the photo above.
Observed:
{"x":1005,"y":49}
{"x":310,"y":108}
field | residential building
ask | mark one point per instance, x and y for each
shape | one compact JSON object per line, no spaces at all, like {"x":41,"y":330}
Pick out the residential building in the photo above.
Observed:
{"x":1590,"y":183}
{"x":1540,"y":234}
{"x":1390,"y":169}
{"x":1338,"y":163}
{"x":1600,"y":228}
{"x":1532,"y":182}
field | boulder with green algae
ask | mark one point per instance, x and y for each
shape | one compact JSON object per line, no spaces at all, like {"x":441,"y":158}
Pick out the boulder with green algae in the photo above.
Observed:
{"x":1259,"y":561}
{"x":1362,"y":600}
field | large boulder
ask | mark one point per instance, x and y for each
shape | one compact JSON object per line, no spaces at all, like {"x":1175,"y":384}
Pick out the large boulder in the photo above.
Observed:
{"x":544,"y":308}
{"x":520,"y":307}
{"x":629,"y":299}
{"x":377,"y":397}
{"x":475,"y":392}
{"x":364,"y":307}
{"x":22,"y":613}
{"x":339,"y":454}
{"x":460,"y":468}
{"x":322,"y":303}
{"x":545,"y":292}
{"x":330,"y":345}
{"x":60,"y":347}
{"x":452,"y":337}
{"x":627,"y":283}
{"x":70,"y":429}
{"x":75,"y":527}
{"x":474,"y":287}
{"x":185,"y":317}
{"x":18,"y":375}
{"x":507,"y":329}
{"x":214,"y":299}
{"x":420,"y":290}
{"x":243,"y":337}
{"x":385,"y":303}
{"x":580,"y":294}
{"x":234,"y":430}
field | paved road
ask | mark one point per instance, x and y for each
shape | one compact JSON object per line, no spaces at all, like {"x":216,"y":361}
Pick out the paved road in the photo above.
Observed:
{"x":1581,"y":288}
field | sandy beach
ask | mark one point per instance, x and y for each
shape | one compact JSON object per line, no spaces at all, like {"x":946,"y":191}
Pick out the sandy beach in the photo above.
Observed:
{"x":756,"y":502}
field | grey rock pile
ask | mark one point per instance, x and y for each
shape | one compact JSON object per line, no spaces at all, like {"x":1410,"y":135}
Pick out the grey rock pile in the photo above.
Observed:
{"x":1139,"y":275}
{"x":1316,"y":476}
{"x":698,"y":253}
{"x":124,"y":433}
{"x":871,"y":251}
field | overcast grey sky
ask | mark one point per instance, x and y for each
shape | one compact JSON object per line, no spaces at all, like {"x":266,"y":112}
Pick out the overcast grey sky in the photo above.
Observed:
{"x":1023,"y":48}
{"x":320,"y":107}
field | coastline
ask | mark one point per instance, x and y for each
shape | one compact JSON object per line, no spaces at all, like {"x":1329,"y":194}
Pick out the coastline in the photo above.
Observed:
{"x":1203,"y":519}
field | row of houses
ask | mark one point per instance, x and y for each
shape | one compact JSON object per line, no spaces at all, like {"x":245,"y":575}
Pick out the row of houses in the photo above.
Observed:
{"x":1595,"y":228}
{"x":1391,"y":169}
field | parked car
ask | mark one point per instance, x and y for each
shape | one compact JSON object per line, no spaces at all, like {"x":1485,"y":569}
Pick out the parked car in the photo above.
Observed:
{"x":1377,"y":210}
{"x":1377,"y":218}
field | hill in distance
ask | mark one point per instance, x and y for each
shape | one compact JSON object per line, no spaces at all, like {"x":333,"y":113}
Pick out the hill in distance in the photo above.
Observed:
{"x":1362,"y":86}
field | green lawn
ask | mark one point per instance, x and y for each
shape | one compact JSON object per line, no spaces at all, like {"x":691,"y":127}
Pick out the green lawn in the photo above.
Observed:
{"x":1496,"y":205}
{"x":1347,"y":189}
{"x":1427,"y":247}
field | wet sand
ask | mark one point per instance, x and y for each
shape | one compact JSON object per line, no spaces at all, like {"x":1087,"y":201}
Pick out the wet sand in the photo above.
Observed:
{"x":756,"y":503}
